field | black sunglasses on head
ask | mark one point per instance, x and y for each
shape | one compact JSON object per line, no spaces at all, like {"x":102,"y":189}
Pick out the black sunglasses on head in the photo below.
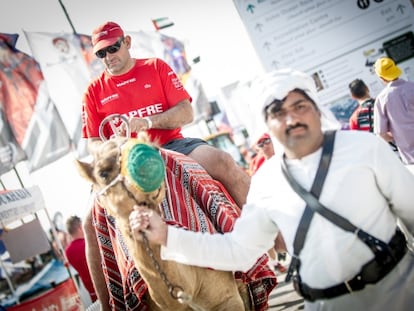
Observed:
{"x":110,"y":49}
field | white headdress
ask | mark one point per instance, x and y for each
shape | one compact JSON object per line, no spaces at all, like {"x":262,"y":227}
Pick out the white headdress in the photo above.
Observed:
{"x":277,"y":84}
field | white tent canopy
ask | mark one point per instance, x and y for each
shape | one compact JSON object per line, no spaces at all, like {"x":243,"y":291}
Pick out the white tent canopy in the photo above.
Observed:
{"x":17,"y":204}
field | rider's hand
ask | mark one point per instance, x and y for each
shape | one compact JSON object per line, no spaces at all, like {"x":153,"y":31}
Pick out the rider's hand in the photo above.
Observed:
{"x":142,"y":219}
{"x":137,"y":124}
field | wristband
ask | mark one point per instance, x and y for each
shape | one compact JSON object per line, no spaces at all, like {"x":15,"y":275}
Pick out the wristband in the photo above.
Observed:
{"x":149,"y":122}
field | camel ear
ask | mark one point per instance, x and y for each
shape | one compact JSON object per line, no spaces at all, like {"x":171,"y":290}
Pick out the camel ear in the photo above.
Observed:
{"x":85,"y":170}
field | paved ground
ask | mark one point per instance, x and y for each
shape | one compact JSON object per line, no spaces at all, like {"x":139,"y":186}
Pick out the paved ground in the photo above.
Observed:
{"x":284,"y":296}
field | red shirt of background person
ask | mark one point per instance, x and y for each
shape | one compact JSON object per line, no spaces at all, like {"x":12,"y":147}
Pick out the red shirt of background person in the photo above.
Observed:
{"x":265,"y":150}
{"x":75,"y":253}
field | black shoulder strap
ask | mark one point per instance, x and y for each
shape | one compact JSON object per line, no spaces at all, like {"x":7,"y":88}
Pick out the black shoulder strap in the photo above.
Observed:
{"x":301,"y":232}
{"x":313,"y":203}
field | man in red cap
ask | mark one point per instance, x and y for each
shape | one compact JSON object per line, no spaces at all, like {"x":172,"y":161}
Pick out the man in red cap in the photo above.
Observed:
{"x":151,"y":96}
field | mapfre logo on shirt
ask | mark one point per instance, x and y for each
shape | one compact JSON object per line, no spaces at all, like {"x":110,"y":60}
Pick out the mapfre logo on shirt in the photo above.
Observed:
{"x":126,"y":82}
{"x":109,"y":98}
{"x":177,"y":83}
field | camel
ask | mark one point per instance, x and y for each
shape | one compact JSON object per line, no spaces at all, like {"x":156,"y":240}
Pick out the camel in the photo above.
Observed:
{"x":117,"y":192}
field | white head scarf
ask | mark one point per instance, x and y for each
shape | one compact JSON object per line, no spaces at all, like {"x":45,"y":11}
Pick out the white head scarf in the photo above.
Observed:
{"x":277,"y":84}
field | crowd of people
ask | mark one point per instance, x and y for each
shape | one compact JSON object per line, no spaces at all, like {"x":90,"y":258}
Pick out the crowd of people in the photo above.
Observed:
{"x":390,"y":115}
{"x":334,"y":196}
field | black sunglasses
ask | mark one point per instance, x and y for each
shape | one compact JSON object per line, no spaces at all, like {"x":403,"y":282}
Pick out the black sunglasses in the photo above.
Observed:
{"x":263,"y":142}
{"x":110,"y":49}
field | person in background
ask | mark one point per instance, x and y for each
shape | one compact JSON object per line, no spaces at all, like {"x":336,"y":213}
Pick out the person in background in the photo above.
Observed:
{"x":64,"y":240}
{"x":394,"y":109}
{"x":75,"y":253}
{"x":256,"y":160}
{"x":366,"y":186}
{"x":265,"y":150}
{"x":248,"y":154}
{"x":362,"y":118}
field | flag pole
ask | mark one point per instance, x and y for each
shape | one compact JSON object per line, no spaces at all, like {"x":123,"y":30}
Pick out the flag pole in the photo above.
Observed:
{"x":67,"y":17}
{"x":71,"y":24}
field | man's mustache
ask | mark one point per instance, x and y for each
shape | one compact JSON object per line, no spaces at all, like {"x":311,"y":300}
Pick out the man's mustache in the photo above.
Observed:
{"x":288,"y":129}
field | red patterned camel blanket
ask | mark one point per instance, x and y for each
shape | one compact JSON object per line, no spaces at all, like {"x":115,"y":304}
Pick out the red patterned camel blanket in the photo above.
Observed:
{"x":193,"y":201}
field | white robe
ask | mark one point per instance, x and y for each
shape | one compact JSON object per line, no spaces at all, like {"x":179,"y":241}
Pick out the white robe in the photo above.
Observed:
{"x":366,"y":183}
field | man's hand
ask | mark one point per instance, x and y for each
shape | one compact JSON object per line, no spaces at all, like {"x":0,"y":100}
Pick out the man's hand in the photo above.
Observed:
{"x":135,"y":125}
{"x":145,"y":220}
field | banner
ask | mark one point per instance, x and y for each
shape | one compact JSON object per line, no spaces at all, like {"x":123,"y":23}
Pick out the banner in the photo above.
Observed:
{"x":154,"y":44}
{"x":172,"y":51}
{"x":93,"y":63}
{"x":16,"y":204}
{"x":28,"y":107}
{"x":64,"y":64}
{"x":10,"y":151}
{"x":64,"y":297}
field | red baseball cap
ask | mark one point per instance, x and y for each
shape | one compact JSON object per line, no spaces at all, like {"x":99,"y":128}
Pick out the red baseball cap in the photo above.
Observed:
{"x":105,"y":35}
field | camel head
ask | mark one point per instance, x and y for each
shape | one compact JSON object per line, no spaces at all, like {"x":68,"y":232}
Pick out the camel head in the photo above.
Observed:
{"x":126,"y":172}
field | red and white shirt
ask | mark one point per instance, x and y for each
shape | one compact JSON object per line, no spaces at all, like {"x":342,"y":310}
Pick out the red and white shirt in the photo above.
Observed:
{"x":149,"y":88}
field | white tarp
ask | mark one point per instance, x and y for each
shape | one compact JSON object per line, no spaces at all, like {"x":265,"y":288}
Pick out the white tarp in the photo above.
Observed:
{"x":26,"y":241}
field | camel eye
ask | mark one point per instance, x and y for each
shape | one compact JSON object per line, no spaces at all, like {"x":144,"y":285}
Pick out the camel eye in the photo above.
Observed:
{"x":105,"y":169}
{"x":104,"y":174}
